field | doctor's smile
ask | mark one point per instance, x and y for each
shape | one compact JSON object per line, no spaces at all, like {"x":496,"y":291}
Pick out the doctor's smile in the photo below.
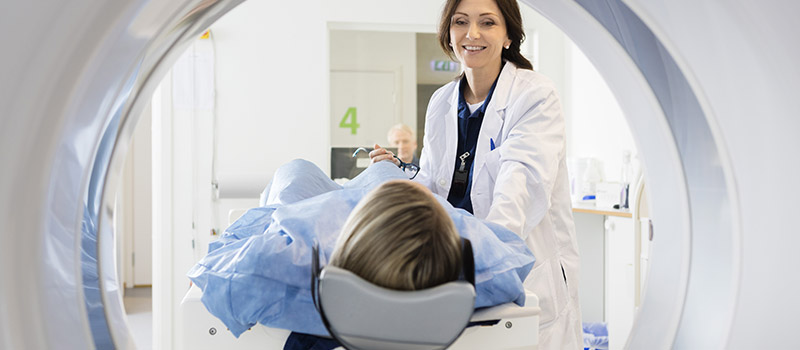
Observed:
{"x":473,"y":48}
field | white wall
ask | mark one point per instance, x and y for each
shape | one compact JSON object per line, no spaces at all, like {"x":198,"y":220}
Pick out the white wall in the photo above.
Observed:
{"x":271,"y":74}
{"x":596,"y":124}
{"x":545,"y":46}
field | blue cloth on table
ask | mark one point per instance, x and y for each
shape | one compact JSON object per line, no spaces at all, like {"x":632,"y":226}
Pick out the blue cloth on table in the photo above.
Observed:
{"x":259,"y":270}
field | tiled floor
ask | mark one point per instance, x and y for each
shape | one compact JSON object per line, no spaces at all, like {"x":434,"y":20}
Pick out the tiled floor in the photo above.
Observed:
{"x":139,"y":307}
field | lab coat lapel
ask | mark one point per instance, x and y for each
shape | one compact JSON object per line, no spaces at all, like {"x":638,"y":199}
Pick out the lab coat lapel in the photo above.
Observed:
{"x":494,"y":117}
{"x":449,"y":110}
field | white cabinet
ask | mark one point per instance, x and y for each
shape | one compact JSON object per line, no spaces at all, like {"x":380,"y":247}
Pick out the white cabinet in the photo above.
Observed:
{"x":608,"y":286}
{"x":620,"y":281}
{"x":589,"y":229}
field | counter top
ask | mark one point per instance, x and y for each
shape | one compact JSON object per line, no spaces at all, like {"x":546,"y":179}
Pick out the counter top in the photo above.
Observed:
{"x":591,"y":209}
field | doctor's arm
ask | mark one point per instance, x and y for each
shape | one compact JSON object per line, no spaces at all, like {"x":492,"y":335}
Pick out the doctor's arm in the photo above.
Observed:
{"x":528,"y":162}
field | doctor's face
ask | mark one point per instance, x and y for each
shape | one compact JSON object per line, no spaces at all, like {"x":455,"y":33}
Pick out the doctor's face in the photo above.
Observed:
{"x":478,"y":34}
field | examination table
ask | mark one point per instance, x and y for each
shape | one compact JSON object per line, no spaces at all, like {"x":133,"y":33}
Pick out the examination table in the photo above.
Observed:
{"x":507,"y":326}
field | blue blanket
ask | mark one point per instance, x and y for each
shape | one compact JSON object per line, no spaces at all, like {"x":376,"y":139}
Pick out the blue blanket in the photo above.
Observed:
{"x":259,"y":270}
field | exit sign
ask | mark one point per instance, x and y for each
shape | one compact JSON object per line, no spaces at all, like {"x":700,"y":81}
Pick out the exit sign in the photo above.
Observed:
{"x":444,"y":66}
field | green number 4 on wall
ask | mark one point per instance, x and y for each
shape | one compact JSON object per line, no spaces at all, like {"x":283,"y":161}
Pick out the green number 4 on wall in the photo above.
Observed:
{"x":353,"y":124}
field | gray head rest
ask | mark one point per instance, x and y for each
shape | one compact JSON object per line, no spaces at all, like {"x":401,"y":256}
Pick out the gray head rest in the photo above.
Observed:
{"x":362,"y":315}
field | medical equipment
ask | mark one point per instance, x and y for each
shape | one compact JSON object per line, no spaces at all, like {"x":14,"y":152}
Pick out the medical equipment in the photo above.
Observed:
{"x":709,"y":90}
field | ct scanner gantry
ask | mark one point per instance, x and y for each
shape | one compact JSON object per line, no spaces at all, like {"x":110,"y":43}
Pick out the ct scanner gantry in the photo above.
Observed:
{"x":710,"y":90}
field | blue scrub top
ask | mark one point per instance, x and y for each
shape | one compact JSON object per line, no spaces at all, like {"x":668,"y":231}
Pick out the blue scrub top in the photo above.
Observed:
{"x":469,"y":126}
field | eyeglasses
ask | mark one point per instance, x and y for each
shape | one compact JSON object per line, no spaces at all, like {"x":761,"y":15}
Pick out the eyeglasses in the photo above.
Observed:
{"x":409,"y":169}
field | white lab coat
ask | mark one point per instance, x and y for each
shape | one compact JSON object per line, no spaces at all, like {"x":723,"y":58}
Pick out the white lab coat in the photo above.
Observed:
{"x":522,"y":184}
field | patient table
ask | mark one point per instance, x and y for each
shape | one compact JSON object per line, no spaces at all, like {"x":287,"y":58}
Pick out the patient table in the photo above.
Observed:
{"x":506,"y":326}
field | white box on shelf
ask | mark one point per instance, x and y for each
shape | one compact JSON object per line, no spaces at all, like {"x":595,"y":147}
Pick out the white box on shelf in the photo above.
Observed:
{"x":607,"y":194}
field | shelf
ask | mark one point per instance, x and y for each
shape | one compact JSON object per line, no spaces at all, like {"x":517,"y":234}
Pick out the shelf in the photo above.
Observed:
{"x":591,"y":209}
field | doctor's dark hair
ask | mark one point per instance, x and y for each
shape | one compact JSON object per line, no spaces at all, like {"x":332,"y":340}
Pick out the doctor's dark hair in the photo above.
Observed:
{"x":513,"y":19}
{"x":400,"y":237}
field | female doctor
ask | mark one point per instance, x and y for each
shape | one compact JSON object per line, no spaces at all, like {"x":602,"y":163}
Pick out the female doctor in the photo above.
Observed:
{"x":495,"y":146}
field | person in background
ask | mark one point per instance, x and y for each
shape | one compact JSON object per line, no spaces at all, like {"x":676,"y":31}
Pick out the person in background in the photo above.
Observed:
{"x":402,"y":137}
{"x":495,"y":146}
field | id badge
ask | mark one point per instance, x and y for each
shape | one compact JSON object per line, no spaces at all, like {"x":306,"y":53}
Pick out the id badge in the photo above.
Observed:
{"x":460,"y":179}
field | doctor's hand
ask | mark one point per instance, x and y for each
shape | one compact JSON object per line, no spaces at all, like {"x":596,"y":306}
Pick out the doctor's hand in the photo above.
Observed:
{"x":381,"y":154}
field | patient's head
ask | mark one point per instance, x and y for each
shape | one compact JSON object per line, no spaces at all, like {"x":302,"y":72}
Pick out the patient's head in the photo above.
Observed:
{"x":400,"y":237}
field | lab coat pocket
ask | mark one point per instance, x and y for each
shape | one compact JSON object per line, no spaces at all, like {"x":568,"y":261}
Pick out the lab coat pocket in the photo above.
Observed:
{"x":540,"y":281}
{"x":483,"y":184}
{"x":492,"y":164}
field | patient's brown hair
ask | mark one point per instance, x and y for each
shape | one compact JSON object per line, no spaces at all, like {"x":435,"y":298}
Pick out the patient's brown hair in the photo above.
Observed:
{"x":400,"y":237}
